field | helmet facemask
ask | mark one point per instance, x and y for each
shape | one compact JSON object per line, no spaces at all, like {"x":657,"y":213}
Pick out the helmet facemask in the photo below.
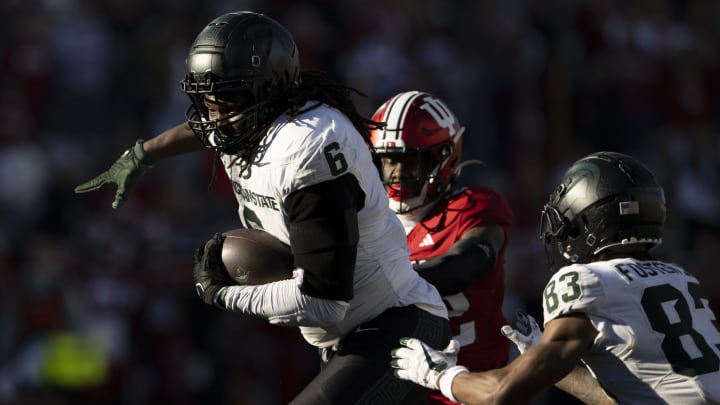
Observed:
{"x":554,"y":229}
{"x":232,"y":130}
{"x":241,"y":57}
{"x":419,"y":181}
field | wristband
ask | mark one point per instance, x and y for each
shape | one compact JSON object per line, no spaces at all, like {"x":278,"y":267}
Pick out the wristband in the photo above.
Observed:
{"x":140,"y":154}
{"x":446,"y":379}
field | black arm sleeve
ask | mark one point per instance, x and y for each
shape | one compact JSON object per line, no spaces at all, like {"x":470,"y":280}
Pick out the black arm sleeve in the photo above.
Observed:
{"x":324,"y":235}
{"x":453,"y":272}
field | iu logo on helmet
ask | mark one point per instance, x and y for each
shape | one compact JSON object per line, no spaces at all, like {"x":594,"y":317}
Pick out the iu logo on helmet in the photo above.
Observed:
{"x":440,"y":112}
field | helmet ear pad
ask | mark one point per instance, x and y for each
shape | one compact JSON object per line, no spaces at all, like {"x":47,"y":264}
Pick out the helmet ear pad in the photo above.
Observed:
{"x":585,"y":232}
{"x":561,"y":235}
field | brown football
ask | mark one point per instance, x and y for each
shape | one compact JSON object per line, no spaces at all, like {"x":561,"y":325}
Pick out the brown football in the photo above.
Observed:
{"x":253,"y":257}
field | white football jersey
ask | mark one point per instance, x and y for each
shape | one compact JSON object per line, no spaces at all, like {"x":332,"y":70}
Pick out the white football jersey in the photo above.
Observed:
{"x":318,"y":146}
{"x":658,"y":340}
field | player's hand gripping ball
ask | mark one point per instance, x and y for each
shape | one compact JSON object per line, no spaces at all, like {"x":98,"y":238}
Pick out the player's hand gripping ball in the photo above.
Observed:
{"x":253,"y":257}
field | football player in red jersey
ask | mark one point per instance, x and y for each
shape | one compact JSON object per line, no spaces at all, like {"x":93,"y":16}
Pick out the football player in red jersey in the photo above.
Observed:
{"x":456,"y":235}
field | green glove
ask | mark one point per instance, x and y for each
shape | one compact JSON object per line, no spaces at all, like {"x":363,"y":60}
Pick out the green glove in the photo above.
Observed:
{"x":124,"y":172}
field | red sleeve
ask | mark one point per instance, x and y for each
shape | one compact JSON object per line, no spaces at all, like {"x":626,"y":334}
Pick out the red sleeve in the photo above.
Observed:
{"x":484,"y":206}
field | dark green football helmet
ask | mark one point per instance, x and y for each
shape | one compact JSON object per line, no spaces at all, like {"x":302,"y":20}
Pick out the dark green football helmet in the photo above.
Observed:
{"x":240,"y":56}
{"x":606,"y":202}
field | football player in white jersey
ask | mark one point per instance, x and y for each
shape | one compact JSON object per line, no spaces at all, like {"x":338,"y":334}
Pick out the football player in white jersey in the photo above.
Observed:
{"x":641,"y":326}
{"x":297,"y":154}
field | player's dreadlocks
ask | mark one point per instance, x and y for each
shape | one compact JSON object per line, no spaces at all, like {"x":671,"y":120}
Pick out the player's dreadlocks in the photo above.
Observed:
{"x":313,"y":86}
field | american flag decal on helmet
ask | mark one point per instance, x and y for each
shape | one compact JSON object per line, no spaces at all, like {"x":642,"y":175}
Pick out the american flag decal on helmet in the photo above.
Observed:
{"x":629,"y":207}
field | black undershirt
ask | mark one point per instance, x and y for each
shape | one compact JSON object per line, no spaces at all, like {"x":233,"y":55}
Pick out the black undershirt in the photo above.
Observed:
{"x":324,"y":235}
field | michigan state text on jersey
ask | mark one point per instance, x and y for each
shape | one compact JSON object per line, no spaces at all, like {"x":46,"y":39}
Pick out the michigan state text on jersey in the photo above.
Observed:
{"x":296,"y":151}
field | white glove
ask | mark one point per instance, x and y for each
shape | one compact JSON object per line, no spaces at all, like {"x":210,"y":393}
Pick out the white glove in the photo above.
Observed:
{"x":421,"y":364}
{"x":526,"y":332}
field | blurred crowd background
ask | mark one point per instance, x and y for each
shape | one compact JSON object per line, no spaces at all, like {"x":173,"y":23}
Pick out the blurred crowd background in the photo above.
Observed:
{"x":97,"y":305}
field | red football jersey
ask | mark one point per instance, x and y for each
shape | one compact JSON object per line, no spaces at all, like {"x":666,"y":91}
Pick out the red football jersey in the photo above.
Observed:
{"x":476,"y":313}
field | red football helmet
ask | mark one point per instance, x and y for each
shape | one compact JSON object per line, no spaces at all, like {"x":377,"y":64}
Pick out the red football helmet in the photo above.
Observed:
{"x":420,"y":148}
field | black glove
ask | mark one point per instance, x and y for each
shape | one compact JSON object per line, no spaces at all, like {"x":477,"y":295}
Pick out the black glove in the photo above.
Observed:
{"x":124,"y":172}
{"x":209,"y":271}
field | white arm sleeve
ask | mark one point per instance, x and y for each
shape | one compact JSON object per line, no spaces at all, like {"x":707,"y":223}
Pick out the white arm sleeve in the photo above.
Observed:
{"x":282,"y":303}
